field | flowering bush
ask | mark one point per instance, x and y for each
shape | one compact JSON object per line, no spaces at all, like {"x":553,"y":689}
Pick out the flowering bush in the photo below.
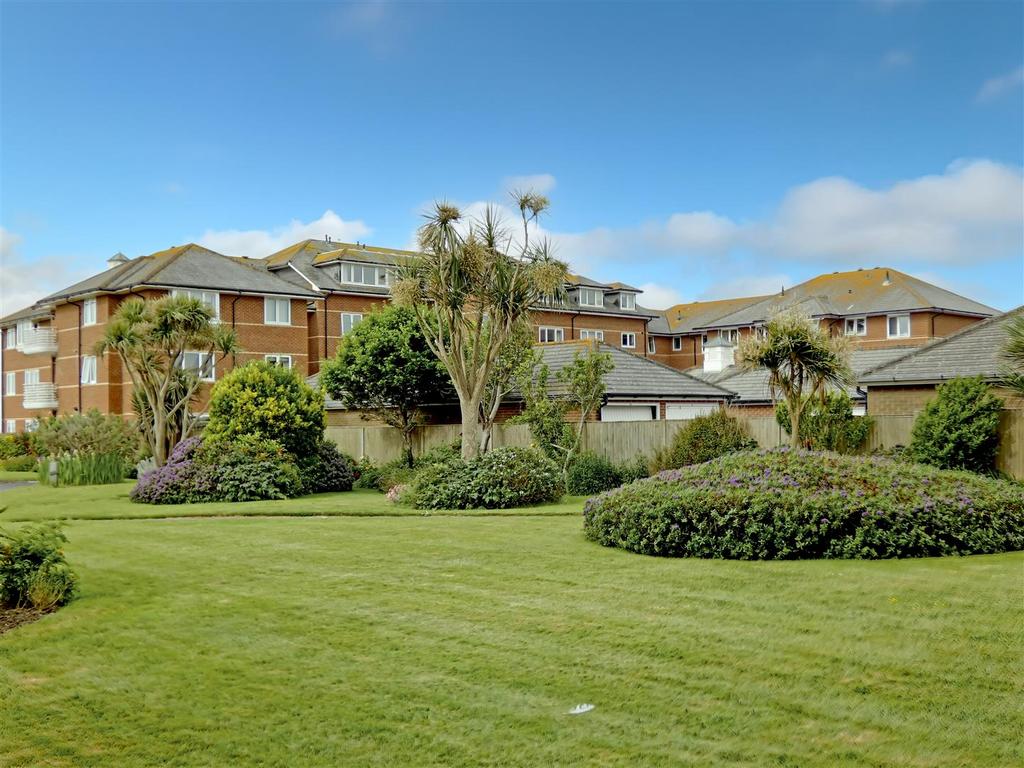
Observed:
{"x":501,"y":479}
{"x":786,"y":504}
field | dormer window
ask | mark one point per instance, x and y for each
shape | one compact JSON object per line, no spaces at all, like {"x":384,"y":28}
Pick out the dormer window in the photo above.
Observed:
{"x":627,"y":300}
{"x":364,"y":274}
{"x":591,"y":297}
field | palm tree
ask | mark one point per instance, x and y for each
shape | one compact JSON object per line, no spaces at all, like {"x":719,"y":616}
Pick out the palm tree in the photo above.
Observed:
{"x":1012,"y":355}
{"x":151,"y":338}
{"x":802,"y":360}
{"x":470,"y":288}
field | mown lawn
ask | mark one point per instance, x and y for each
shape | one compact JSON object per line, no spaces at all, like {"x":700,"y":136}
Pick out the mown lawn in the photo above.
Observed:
{"x":110,"y":502}
{"x":464,"y":641}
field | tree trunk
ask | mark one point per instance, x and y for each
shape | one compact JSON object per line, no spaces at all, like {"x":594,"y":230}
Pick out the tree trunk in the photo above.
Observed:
{"x":794,"y":426}
{"x":470,"y":429}
{"x":159,"y":438}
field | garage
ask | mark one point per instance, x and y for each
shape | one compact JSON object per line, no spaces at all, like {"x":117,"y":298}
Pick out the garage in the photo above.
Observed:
{"x":688,"y":410}
{"x":631,"y":412}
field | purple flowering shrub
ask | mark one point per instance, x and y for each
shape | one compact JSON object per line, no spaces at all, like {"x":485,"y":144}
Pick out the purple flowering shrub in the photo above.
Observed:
{"x":248,"y":468}
{"x":783,"y":504}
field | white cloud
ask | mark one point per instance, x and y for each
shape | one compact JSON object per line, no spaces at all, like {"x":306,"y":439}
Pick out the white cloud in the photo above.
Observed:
{"x":659,"y":296}
{"x":995,"y":87}
{"x":23,"y":282}
{"x":541,"y":183}
{"x":897,"y":59}
{"x":263,"y":242}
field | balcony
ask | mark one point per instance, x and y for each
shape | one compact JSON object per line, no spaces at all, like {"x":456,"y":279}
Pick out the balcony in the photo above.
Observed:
{"x":38,"y":341}
{"x":40,"y":397}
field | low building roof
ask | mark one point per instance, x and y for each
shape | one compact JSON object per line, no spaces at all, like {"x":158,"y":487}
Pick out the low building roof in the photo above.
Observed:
{"x":633,"y":375}
{"x":971,"y":351}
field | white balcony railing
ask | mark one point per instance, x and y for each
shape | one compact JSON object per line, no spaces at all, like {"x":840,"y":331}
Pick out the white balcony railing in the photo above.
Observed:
{"x":38,"y":341}
{"x":40,"y":397}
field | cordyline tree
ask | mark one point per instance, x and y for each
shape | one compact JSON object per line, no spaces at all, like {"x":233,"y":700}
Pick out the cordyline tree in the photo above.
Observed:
{"x":1012,"y":354}
{"x":469,"y":288}
{"x":151,"y":336}
{"x":802,"y":361}
{"x":385,"y":368}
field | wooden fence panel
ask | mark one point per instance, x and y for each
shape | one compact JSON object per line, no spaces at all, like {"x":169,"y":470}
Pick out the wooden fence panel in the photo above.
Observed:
{"x":1010,"y":458}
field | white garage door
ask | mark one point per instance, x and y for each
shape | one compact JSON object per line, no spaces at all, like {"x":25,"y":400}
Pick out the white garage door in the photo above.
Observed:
{"x":688,"y":411}
{"x":628,"y":413}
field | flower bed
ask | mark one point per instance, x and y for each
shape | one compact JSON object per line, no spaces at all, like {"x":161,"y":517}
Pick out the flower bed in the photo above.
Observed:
{"x":785,"y":504}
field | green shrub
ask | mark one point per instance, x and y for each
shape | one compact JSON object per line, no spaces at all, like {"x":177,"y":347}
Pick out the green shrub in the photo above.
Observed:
{"x":828,"y":424}
{"x":367,"y":474}
{"x":796,"y":504}
{"x":327,"y":470}
{"x":12,"y":446}
{"x":501,"y":479}
{"x":84,"y":469}
{"x":631,"y":471}
{"x":704,"y":438}
{"x":394,"y":473}
{"x":88,"y":433}
{"x":33,"y":570}
{"x":959,"y":427}
{"x":19,"y":464}
{"x":270,"y":402}
{"x":589,"y":474}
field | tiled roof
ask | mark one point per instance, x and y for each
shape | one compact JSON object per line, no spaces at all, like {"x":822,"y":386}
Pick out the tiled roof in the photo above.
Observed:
{"x":751,"y":386}
{"x":633,"y":375}
{"x":860,"y":292}
{"x":684,"y":318}
{"x":971,"y":351}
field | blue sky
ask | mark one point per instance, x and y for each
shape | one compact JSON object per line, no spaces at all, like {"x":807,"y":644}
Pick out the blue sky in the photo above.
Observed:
{"x":696,"y":149}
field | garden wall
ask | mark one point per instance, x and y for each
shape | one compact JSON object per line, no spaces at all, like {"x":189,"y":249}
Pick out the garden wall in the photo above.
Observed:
{"x":624,"y":440}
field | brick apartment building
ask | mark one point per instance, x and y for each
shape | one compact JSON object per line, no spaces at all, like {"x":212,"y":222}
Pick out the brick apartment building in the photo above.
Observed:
{"x":294,"y":306}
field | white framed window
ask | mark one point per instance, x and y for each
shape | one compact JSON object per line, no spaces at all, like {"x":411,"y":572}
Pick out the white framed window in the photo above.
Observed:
{"x":10,"y":338}
{"x":201,"y":363}
{"x":24,"y":326}
{"x":590,"y":333}
{"x":629,"y":340}
{"x":591,"y":297}
{"x":31,"y":425}
{"x":627,"y":300}
{"x":210,"y":298}
{"x":677,"y":343}
{"x":285,"y":361}
{"x":89,"y":312}
{"x":703,"y":341}
{"x":31,"y":376}
{"x":760,"y":331}
{"x":10,"y":383}
{"x":855,"y":326}
{"x":88,"y":369}
{"x":547,"y":334}
{"x":899,"y":326}
{"x":364,"y":274}
{"x":350,"y":320}
{"x":277,"y":311}
{"x":651,"y":349}
{"x":11,"y":426}
{"x":732,"y":335}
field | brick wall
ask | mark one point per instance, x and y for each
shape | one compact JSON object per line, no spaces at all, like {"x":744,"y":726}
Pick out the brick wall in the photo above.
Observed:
{"x":613,"y":327}
{"x":910,"y":400}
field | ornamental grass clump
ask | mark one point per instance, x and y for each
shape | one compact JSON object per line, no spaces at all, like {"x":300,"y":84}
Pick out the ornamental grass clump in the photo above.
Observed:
{"x":786,"y":504}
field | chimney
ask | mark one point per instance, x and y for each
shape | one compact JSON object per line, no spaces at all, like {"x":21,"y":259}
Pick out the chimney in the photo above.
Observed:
{"x":719,"y":354}
{"x":116,"y":260}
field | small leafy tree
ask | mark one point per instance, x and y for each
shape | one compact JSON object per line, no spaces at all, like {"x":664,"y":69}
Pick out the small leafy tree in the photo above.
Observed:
{"x":151,"y":336}
{"x":828,"y":424}
{"x":802,"y":360}
{"x":584,"y":389}
{"x":959,"y":427}
{"x":704,"y":438}
{"x":385,"y":368}
{"x":515,"y":358}
{"x":261,"y":400}
{"x":470,"y":288}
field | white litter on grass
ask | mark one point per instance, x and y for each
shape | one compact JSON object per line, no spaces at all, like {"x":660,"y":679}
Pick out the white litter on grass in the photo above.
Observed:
{"x":580,"y":709}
